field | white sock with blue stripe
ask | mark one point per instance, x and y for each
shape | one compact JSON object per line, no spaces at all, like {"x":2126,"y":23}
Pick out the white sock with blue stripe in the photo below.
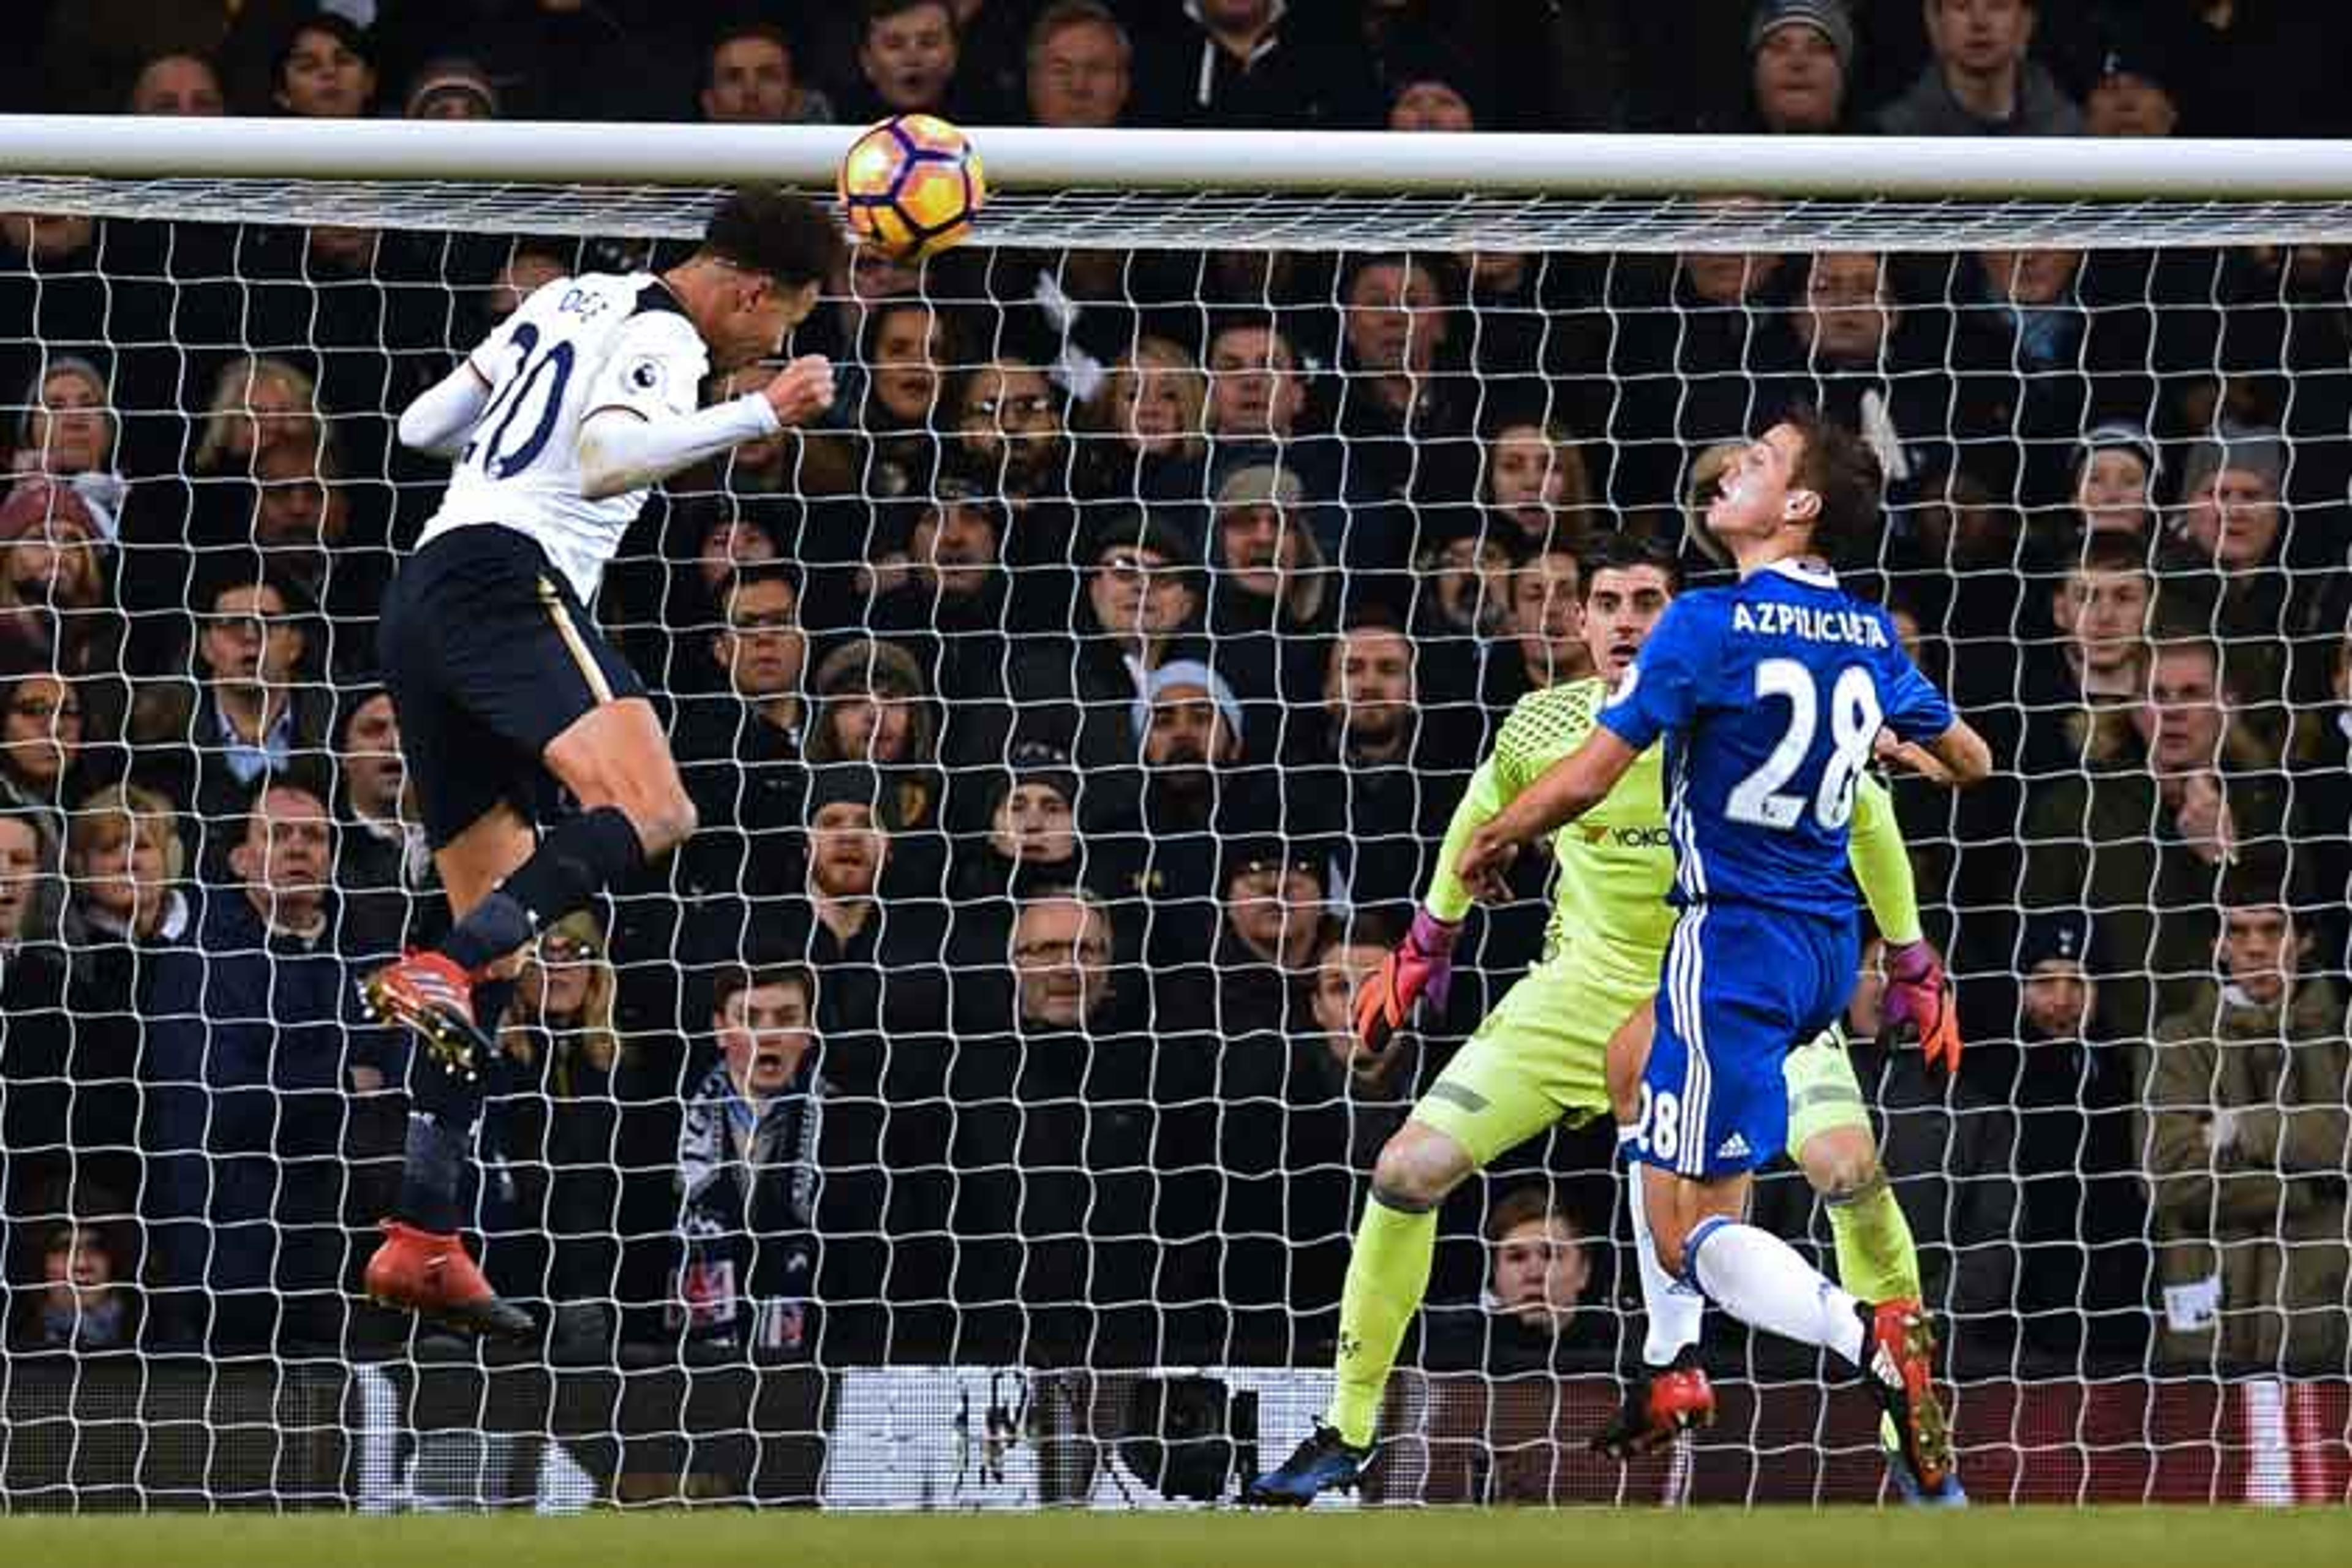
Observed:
{"x":1672,"y":1308}
{"x":1758,"y":1279}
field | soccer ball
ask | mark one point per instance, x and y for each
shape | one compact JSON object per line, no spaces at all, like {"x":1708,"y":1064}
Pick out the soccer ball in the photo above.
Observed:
{"x":911,"y":186}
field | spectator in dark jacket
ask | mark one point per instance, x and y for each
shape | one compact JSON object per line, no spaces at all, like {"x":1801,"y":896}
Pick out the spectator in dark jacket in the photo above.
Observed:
{"x":1981,"y":81}
{"x":1260,"y":63}
{"x":748,"y":1173}
{"x":1529,"y":1317}
{"x":255,"y":1062}
{"x":1054,"y":1213}
{"x":739,"y":749}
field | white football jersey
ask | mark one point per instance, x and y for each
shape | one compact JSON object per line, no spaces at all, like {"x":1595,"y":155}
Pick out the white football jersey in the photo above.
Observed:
{"x":576,"y":347}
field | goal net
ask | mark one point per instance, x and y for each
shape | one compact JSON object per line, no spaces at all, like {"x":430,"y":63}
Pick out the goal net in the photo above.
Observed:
{"x":1080,"y":708}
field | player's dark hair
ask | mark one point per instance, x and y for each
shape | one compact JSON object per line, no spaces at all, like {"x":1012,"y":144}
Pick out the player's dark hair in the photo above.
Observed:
{"x":1624,"y":551}
{"x":1528,"y":1204}
{"x":1838,"y":466}
{"x":769,"y":229}
{"x":738,"y":978}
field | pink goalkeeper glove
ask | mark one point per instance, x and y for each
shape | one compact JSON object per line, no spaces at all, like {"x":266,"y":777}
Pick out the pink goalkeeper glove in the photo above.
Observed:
{"x":1421,"y":965}
{"x":1918,"y":1003}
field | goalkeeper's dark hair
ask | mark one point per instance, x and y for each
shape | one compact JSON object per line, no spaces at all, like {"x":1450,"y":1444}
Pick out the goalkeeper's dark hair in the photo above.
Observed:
{"x":769,"y":229}
{"x":1838,"y":466}
{"x":1624,"y":550}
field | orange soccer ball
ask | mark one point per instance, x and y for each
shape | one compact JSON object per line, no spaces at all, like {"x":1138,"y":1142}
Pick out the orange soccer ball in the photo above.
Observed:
{"x":911,"y":186}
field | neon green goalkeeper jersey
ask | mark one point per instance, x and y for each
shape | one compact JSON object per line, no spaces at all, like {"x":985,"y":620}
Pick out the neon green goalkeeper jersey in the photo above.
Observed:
{"x":1613,"y":864}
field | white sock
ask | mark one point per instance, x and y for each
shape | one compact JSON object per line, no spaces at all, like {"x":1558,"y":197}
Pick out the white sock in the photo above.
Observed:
{"x":1672,"y":1307}
{"x":1758,"y":1279}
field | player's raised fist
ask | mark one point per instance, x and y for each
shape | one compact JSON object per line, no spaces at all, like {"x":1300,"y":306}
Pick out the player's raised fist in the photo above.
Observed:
{"x":1421,"y":965}
{"x":802,"y":390}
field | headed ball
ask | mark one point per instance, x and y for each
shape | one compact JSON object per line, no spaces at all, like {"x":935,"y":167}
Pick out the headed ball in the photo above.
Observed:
{"x":911,"y":186}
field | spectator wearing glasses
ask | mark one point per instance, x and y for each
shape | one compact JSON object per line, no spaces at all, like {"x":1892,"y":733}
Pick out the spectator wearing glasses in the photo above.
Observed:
{"x":43,"y":726}
{"x":258,"y":707}
{"x":740,"y":748}
{"x":551,"y":1128}
{"x":1053,"y":1214}
{"x":1138,"y":608}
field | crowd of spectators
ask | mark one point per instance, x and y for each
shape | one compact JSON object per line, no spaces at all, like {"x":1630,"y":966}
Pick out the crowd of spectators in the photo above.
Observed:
{"x":1071,"y":717}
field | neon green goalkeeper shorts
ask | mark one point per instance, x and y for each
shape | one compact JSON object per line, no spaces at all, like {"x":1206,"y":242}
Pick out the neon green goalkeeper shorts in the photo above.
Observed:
{"x":1823,"y":1093}
{"x":1540,"y":1056}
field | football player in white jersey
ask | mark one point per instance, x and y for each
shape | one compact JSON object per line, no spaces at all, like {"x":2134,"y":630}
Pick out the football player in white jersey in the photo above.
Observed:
{"x":557,"y":424}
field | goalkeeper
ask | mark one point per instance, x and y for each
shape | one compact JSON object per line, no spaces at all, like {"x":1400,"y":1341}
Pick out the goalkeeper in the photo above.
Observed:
{"x":1543,"y":1053}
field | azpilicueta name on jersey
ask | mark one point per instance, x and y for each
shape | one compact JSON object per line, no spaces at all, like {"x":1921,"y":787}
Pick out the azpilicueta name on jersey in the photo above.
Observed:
{"x":1810,"y":622}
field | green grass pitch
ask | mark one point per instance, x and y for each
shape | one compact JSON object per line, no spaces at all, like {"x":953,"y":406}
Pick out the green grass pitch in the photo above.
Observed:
{"x":1703,"y":1538}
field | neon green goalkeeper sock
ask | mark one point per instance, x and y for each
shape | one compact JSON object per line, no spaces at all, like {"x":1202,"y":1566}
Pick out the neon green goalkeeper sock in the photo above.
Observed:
{"x":1877,"y":1261}
{"x":1388,"y":1275}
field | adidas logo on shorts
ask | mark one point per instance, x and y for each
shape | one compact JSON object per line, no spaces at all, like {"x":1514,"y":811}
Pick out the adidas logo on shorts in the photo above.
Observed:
{"x":1732,"y":1148}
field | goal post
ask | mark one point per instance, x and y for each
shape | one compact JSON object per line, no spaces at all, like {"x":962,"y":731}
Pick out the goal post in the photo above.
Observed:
{"x":986,"y":1285}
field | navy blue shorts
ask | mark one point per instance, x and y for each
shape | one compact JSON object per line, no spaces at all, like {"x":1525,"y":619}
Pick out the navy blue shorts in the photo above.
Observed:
{"x":489,"y":656}
{"x":1742,"y":987}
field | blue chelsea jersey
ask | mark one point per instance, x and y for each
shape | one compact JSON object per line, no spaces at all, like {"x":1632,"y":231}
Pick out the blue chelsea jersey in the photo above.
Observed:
{"x":1771,"y":694}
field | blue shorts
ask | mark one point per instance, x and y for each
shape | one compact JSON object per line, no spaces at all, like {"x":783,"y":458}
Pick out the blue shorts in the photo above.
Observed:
{"x":1743,"y":986}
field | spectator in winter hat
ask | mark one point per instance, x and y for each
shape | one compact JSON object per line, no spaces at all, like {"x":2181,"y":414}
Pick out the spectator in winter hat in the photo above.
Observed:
{"x":2131,"y":91}
{"x":452,"y":88}
{"x":2230,"y":498}
{"x":1032,"y":842}
{"x":1188,"y":684}
{"x":2058,"y":996}
{"x":55,"y":562}
{"x":1428,"y":100}
{"x":2115,"y":473}
{"x":1802,"y":52}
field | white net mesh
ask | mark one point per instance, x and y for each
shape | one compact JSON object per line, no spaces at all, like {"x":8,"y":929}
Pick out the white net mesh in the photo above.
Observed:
{"x":1068,"y":1219}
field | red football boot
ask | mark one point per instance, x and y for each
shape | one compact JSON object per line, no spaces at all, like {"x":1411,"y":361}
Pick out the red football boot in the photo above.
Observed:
{"x":428,"y":993}
{"x":1670,"y":1399}
{"x":433,"y":1277}
{"x":1902,"y":1373}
